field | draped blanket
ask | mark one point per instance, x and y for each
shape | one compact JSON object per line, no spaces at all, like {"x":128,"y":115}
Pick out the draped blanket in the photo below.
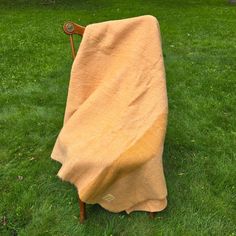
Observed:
{"x":111,"y":142}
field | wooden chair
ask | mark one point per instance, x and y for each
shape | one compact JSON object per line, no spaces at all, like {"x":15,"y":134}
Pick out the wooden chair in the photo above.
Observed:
{"x":71,"y":28}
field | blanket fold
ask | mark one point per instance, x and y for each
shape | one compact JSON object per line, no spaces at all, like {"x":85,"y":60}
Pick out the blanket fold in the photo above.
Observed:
{"x":112,"y":139}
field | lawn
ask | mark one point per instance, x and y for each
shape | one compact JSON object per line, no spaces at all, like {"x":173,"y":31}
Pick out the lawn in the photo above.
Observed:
{"x":199,"y":45}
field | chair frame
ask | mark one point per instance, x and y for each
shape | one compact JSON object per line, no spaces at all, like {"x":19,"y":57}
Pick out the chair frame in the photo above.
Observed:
{"x":71,"y":28}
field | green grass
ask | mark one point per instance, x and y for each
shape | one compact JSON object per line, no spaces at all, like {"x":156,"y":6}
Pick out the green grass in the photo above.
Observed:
{"x":199,"y":45}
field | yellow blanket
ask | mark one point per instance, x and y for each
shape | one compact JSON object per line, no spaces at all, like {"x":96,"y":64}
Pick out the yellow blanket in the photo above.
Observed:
{"x":111,"y":143}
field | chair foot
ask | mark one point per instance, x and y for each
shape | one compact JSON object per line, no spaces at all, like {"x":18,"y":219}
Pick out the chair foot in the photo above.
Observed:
{"x":82,"y":206}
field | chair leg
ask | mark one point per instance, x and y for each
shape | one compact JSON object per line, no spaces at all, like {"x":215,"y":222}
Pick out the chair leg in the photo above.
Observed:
{"x":82,"y":206}
{"x":152,"y":215}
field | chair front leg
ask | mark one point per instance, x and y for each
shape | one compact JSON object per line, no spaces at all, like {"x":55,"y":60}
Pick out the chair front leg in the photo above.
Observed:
{"x":82,"y":207}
